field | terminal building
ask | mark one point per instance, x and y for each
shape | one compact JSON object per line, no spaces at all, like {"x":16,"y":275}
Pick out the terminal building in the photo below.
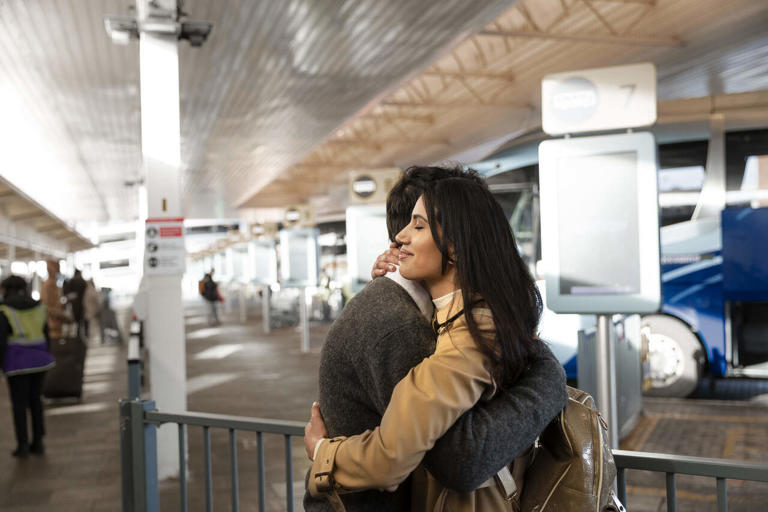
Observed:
{"x":216,"y":176}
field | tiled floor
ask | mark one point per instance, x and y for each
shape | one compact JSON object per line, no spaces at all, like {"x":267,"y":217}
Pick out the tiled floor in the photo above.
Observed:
{"x":236,"y":369}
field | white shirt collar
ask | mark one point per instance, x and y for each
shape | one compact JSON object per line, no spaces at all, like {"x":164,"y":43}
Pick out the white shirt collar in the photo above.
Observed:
{"x":445,"y":300}
{"x":417,"y":292}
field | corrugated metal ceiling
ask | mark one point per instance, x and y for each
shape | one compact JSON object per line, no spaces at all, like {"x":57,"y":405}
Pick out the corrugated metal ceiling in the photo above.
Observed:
{"x":489,"y":85}
{"x":286,"y":97}
{"x":273,"y":80}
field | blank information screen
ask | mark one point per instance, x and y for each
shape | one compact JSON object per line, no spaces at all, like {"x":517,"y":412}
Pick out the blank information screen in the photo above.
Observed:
{"x":598,"y":239}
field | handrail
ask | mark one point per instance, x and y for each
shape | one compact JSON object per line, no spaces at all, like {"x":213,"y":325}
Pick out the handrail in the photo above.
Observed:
{"x":204,"y":419}
{"x":699,"y":466}
{"x":671,"y":465}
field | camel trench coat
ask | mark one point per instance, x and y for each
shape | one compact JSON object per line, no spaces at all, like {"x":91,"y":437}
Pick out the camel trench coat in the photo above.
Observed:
{"x":424,"y":405}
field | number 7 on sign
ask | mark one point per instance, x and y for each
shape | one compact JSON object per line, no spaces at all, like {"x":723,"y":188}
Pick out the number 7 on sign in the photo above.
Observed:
{"x":630,"y":92}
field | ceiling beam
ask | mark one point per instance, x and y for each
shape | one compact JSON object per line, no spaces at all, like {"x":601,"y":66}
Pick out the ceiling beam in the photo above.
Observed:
{"x":626,"y":39}
{"x":378,"y":143}
{"x":47,"y":228}
{"x":642,"y":2}
{"x":468,"y":74}
{"x":355,"y":142}
{"x":29,"y":214}
{"x":455,"y":104}
{"x":416,"y":118}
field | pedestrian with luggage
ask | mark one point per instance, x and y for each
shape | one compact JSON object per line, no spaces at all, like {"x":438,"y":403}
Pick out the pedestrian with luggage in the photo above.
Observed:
{"x":91,"y":307}
{"x":210,"y":292}
{"x":25,"y":357}
{"x":74,"y":291}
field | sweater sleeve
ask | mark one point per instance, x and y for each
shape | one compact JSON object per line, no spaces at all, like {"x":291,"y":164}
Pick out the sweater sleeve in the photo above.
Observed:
{"x":491,"y":434}
{"x":423,"y":407}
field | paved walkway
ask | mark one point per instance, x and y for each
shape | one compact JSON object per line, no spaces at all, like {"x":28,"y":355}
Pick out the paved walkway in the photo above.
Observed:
{"x":236,"y":369}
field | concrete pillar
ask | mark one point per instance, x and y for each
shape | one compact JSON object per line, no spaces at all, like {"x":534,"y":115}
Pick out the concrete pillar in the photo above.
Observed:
{"x":161,"y":147}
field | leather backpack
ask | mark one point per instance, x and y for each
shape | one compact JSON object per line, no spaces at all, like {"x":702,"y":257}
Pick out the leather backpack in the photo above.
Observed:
{"x":573,"y":468}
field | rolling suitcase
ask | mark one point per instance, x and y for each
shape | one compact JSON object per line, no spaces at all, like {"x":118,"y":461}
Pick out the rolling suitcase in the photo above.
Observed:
{"x":66,"y":378}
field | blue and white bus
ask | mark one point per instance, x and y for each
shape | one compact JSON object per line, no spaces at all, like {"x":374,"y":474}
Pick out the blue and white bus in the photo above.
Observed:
{"x":714,"y":317}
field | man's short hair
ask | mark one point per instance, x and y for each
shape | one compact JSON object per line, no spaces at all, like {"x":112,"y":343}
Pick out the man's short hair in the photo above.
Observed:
{"x":403,"y":196}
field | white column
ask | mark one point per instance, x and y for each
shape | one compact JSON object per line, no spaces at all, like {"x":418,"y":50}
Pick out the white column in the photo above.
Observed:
{"x":161,"y":147}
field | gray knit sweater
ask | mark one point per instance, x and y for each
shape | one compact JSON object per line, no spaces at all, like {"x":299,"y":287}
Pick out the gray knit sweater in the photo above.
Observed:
{"x":379,"y":336}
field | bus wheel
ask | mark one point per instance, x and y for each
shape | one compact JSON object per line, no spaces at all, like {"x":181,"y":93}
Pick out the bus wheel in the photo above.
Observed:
{"x":675,"y":356}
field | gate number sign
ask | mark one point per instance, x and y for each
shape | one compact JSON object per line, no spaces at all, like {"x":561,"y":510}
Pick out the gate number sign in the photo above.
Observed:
{"x":599,"y":99}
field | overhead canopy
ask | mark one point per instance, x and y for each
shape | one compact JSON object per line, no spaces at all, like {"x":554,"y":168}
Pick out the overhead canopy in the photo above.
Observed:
{"x":272,"y":81}
{"x":488,"y":86}
{"x":285,"y":98}
{"x":28,"y":231}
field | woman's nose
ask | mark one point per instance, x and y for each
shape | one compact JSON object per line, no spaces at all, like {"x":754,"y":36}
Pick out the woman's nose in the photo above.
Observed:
{"x":402,"y":237}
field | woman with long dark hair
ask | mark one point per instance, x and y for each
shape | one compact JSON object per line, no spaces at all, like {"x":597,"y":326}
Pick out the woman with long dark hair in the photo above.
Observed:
{"x":461,"y":247}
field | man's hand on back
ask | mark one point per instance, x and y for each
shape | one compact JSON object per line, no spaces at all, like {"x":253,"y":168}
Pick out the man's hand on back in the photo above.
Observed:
{"x":314,"y":431}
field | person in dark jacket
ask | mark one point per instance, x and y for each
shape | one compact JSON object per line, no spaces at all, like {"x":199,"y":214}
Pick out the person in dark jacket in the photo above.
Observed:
{"x":74,"y":291}
{"x":25,"y":358}
{"x":210,"y":292}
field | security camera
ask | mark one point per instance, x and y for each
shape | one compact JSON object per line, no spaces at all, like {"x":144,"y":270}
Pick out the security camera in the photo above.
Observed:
{"x":196,"y":32}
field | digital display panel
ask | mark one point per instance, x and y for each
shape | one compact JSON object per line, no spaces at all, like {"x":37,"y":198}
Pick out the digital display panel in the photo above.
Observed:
{"x":604,"y":232}
{"x":298,"y":257}
{"x":600,"y":224}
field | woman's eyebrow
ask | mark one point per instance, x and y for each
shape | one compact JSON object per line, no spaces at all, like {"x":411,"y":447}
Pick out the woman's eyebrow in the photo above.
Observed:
{"x":417,"y":216}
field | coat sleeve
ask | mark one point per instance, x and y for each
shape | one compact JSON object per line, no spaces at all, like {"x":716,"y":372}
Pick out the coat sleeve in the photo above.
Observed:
{"x":493,"y":433}
{"x":423,"y":407}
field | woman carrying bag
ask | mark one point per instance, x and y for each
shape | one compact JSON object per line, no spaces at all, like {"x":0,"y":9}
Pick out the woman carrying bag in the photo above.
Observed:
{"x":461,"y":247}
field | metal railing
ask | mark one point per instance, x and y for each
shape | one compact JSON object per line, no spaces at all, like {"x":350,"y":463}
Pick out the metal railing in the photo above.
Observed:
{"x":138,"y":435}
{"x":138,"y":448}
{"x":671,"y":465}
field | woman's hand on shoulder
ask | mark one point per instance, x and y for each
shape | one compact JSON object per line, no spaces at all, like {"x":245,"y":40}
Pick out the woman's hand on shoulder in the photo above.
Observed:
{"x":314,"y":431}
{"x":386,"y":262}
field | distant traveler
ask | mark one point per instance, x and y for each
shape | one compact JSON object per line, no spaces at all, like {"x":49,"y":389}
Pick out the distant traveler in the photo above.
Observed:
{"x":24,"y":357}
{"x":74,"y":291}
{"x":91,"y":307}
{"x":50,"y":296}
{"x":210,"y":292}
{"x":381,"y":334}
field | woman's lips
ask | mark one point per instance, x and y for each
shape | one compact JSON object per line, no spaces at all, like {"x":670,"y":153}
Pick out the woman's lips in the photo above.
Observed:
{"x":404,"y":254}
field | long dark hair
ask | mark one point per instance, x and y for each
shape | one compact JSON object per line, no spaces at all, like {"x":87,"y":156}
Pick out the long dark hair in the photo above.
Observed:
{"x":471,"y":230}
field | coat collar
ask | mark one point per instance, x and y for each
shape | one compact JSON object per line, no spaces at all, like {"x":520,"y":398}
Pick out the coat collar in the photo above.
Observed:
{"x":452,"y":308}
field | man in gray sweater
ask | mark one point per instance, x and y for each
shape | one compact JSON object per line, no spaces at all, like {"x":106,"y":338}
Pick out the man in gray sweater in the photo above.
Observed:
{"x":380,"y":335}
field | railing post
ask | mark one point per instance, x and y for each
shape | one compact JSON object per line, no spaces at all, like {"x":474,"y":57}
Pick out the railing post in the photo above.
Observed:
{"x":150,"y":460}
{"x":138,"y":455}
{"x":134,"y":366}
{"x":126,"y":456}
